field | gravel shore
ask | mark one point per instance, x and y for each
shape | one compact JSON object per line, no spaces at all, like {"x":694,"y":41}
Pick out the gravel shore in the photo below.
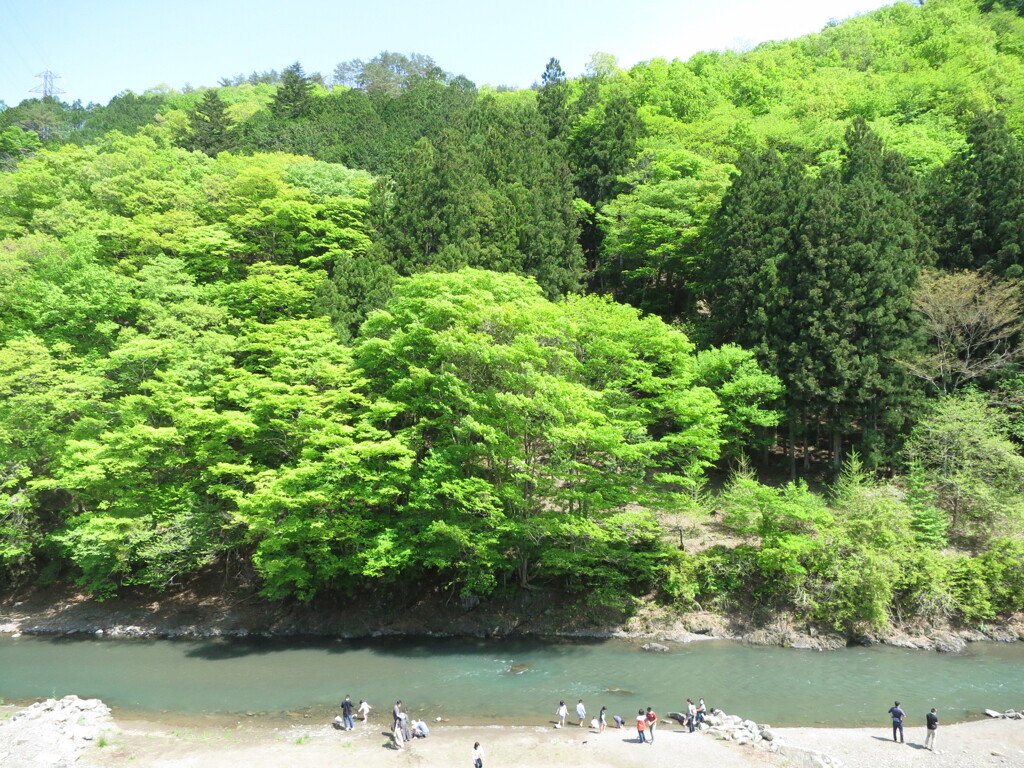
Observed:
{"x":161,"y":745}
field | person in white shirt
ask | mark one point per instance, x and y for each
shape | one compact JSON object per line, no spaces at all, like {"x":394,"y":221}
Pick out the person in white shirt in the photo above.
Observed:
{"x":364,"y":710}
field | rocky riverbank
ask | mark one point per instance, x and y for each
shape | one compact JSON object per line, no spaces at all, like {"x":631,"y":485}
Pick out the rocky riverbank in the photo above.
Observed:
{"x":188,"y":613}
{"x":54,"y":733}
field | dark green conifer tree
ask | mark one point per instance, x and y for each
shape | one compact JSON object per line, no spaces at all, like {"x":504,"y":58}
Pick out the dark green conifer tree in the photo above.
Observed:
{"x":209,"y":126}
{"x":979,"y":218}
{"x":294,"y":97}
{"x":358,"y":285}
{"x":816,"y":277}
{"x":846,"y":321}
{"x":491,"y":194}
{"x":750,"y":233}
{"x":553,"y":98}
{"x":601,"y":147}
{"x":529,"y":180}
{"x":432,"y":221}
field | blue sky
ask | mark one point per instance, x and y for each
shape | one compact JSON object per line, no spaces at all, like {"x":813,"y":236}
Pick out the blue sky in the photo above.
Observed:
{"x":103,"y":47}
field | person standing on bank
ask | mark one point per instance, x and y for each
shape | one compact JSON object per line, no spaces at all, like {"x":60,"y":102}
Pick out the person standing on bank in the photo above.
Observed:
{"x":897,"y":715}
{"x":346,"y":714}
{"x":641,"y":726}
{"x":932,"y":721}
{"x":560,"y":713}
{"x":478,"y":755}
{"x":364,"y":710}
{"x":581,"y":712}
{"x":396,"y":713}
{"x":652,"y":720}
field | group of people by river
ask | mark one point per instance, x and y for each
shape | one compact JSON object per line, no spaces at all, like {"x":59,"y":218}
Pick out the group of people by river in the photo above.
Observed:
{"x":646,"y":719}
{"x":931,"y":723}
{"x":345,"y":721}
{"x":404,"y":728}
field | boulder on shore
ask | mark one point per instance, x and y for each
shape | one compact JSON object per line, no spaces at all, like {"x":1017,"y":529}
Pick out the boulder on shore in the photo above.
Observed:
{"x":655,"y":648}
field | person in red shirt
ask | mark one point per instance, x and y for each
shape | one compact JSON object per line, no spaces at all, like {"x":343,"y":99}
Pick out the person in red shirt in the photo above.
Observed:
{"x":652,"y":720}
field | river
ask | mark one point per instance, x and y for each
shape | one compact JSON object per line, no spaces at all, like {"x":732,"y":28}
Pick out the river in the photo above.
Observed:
{"x":510,"y":681}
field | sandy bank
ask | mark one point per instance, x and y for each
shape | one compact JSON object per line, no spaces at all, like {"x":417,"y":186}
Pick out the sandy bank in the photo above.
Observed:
{"x":138,"y":743}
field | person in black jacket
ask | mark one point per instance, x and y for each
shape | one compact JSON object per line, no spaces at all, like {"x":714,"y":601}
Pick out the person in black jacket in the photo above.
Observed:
{"x":346,"y":714}
{"x":932,"y":721}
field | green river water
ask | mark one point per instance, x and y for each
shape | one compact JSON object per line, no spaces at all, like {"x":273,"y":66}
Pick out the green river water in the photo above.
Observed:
{"x":510,"y":681}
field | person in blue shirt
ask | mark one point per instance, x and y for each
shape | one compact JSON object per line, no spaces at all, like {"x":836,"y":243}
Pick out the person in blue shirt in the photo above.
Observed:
{"x":420,"y":729}
{"x":897,"y":715}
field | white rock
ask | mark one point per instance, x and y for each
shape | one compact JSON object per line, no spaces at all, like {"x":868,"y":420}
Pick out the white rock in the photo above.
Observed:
{"x":655,"y":647}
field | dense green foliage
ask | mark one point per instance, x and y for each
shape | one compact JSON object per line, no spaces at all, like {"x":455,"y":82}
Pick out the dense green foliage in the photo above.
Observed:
{"x":391,"y":328}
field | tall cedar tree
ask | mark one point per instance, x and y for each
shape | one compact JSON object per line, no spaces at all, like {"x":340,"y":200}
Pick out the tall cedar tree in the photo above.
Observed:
{"x":524,"y":170}
{"x":847,"y":320}
{"x":492,"y":194}
{"x":553,"y":98}
{"x":980,"y":218}
{"x":433,"y":220}
{"x":816,"y":276}
{"x":209,"y":126}
{"x":601,"y":146}
{"x":294,"y":97}
{"x":747,"y":237}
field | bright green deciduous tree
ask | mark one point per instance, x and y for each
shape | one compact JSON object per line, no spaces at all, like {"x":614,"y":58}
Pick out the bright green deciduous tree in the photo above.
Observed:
{"x":974,"y":469}
{"x":532,"y":426}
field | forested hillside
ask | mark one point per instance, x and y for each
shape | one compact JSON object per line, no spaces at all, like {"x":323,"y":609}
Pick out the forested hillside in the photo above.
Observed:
{"x":332,"y":334}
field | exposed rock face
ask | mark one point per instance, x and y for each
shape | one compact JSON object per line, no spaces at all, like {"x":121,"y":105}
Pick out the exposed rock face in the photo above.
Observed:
{"x":53,"y":733}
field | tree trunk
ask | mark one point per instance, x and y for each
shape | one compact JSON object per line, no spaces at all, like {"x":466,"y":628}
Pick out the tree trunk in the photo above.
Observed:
{"x":792,"y":450}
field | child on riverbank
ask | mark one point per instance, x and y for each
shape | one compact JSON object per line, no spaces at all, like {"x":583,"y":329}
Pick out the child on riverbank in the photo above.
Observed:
{"x":364,"y":710}
{"x":561,"y":714}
